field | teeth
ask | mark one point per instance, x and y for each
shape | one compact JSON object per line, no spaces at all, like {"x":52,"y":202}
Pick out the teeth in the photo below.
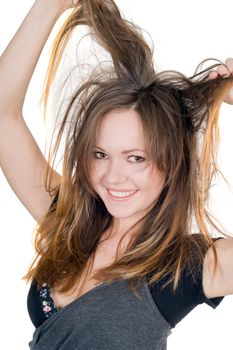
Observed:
{"x":121,"y":194}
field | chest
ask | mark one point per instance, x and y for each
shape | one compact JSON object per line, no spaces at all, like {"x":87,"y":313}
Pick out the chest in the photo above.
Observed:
{"x":109,"y":318}
{"x":104,"y":256}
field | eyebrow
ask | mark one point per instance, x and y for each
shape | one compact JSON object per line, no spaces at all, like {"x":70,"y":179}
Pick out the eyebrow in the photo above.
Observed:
{"x":126,"y":151}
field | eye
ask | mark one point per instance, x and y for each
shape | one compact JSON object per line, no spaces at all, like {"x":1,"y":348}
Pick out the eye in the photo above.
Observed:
{"x":101,"y":155}
{"x":97,"y":153}
{"x":138,"y":159}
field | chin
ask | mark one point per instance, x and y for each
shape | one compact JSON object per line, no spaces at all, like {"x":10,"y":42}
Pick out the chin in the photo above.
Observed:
{"x":122,"y":213}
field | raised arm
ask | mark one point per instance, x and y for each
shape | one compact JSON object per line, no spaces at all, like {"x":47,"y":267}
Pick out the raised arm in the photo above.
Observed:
{"x":21,"y":160}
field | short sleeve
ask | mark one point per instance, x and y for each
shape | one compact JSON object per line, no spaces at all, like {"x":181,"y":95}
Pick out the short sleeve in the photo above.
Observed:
{"x":213,"y":302}
{"x":174,"y":306}
{"x":201,"y":297}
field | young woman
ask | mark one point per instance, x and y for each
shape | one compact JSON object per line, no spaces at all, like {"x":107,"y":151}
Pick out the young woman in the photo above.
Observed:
{"x":118,"y":264}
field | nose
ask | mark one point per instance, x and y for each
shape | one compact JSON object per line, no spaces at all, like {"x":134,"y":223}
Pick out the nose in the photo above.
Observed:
{"x":115,"y":172}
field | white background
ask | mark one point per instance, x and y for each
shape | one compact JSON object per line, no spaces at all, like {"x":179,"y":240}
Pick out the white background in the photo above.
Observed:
{"x":184,"y":33}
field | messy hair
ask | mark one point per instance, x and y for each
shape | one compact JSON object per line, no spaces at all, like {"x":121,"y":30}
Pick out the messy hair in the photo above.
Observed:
{"x":180,"y":120}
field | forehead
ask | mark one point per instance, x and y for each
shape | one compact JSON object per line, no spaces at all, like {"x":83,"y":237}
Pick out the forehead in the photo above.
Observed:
{"x":121,"y":129}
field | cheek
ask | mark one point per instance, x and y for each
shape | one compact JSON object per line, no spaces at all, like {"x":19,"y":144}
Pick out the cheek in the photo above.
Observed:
{"x":155,"y":180}
{"x":95,"y":174}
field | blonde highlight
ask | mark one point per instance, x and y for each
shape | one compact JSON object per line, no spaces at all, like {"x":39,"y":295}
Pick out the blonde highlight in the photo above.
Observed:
{"x":174,"y":111}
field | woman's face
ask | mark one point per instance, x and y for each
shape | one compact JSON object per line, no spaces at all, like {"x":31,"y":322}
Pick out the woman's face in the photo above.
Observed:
{"x":126,"y":181}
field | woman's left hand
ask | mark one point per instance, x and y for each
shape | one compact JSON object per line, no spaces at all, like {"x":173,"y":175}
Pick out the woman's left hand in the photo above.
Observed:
{"x":225,"y":72}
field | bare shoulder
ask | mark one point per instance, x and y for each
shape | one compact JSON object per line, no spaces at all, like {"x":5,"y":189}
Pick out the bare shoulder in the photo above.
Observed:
{"x":221,"y":283}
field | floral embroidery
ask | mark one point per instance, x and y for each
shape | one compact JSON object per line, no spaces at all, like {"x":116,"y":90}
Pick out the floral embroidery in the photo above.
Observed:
{"x":48,"y":306}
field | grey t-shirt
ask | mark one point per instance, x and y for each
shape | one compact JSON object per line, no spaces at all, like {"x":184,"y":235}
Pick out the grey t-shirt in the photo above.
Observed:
{"x":109,"y":316}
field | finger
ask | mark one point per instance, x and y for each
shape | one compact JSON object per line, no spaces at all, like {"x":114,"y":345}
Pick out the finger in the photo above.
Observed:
{"x":223,"y":71}
{"x":229,"y":64}
{"x":213,"y":75}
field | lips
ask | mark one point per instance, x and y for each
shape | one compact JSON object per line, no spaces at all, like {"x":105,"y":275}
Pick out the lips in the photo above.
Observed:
{"x":121,"y":195}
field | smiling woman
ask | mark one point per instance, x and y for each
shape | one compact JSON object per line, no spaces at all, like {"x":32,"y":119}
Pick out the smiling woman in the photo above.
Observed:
{"x":118,"y":263}
{"x":135,"y":183}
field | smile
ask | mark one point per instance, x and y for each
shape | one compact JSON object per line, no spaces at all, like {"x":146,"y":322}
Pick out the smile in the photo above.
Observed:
{"x":121,"y":196}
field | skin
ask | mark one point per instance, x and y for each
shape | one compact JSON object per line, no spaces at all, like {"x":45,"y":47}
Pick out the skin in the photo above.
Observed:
{"x":66,"y":4}
{"x":225,"y":71}
{"x":122,"y":130}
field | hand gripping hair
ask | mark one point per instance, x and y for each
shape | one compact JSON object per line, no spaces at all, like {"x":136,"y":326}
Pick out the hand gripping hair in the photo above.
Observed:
{"x":176,"y":112}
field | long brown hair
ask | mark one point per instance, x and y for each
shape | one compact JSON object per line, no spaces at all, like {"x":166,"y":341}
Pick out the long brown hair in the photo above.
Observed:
{"x":180,"y":120}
